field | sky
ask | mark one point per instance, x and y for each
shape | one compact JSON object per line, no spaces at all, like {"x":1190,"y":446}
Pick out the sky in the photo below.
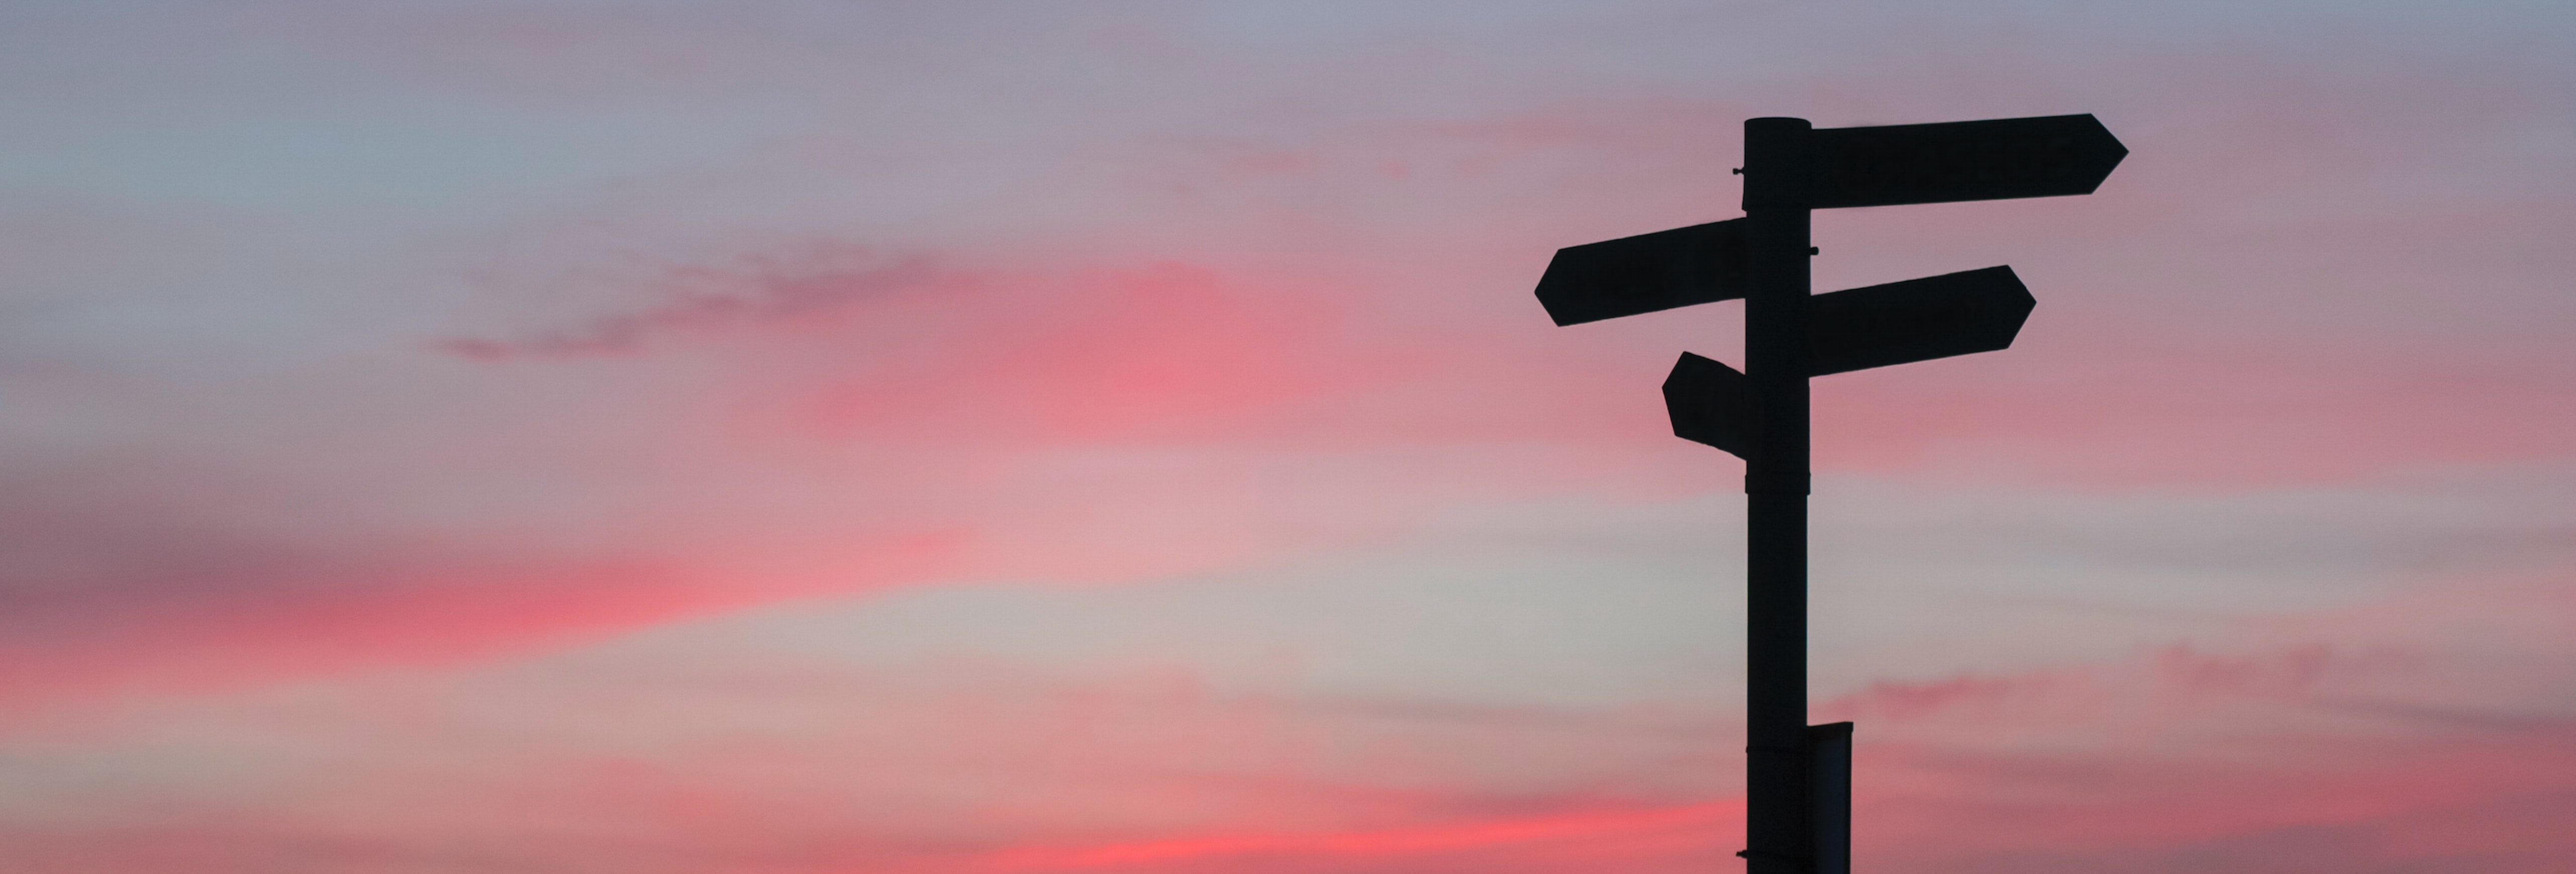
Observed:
{"x":964,"y":438}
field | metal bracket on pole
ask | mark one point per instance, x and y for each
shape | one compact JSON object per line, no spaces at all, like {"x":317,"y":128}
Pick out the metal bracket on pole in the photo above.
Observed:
{"x":1829,"y":750}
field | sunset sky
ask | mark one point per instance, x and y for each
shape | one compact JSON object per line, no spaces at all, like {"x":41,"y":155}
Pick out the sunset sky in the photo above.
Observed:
{"x":571,"y":436}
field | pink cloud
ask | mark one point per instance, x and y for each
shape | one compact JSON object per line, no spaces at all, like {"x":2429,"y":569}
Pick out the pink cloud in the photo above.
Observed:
{"x":1167,"y":349}
{"x":2326,"y":741}
{"x":1568,"y":841}
{"x":2306,"y":749}
{"x":122,"y":594}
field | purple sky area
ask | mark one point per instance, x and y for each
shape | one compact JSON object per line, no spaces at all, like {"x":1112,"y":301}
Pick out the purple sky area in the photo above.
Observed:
{"x":788,"y":437}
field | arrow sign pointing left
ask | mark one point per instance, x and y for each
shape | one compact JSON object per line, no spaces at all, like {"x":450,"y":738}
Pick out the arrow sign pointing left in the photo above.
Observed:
{"x":1709,"y":404}
{"x":1645,"y":273}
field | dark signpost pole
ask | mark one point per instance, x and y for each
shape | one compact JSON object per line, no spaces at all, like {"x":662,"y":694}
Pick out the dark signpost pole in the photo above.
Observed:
{"x":1797,"y":776}
{"x":1775,"y":497}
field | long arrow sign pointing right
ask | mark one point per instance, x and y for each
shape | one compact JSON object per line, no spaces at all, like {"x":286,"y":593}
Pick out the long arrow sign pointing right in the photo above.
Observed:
{"x":2045,"y":156}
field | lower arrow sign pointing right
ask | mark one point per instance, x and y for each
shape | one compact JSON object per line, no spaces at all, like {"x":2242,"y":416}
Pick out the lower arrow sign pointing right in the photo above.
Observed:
{"x":1856,"y":329}
{"x":1915,"y":320}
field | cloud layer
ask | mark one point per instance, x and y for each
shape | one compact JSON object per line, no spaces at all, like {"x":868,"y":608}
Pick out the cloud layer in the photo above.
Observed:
{"x":797,"y":437}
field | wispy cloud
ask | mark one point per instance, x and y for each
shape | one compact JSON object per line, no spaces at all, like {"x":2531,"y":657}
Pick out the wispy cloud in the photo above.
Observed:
{"x":706,"y":301}
{"x":424,"y":429}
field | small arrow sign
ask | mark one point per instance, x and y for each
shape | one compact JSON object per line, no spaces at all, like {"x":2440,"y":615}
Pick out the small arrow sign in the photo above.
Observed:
{"x":1995,"y":159}
{"x":1709,"y":404}
{"x":1914,"y":320}
{"x":1645,"y":273}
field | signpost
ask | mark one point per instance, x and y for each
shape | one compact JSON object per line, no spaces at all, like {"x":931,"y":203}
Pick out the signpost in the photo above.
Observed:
{"x":1798,"y":776}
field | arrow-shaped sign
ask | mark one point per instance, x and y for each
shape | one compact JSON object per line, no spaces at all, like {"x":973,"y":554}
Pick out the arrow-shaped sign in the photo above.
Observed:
{"x":1645,"y":273}
{"x":1960,"y":160}
{"x":1915,"y":320}
{"x":1856,"y":329}
{"x":1708,"y":404}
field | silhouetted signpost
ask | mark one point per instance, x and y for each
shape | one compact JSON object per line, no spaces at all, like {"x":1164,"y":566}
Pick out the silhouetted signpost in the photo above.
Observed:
{"x":1798,"y":776}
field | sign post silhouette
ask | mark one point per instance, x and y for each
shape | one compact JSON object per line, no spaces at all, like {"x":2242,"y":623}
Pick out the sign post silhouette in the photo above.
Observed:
{"x":1798,"y":777}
